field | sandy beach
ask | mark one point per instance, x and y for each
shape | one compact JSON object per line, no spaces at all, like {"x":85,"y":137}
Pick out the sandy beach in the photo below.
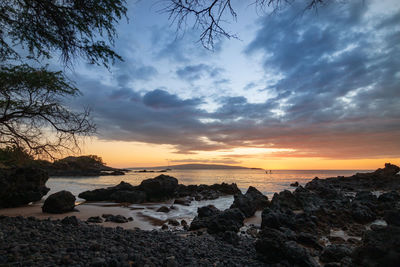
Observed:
{"x":90,"y":209}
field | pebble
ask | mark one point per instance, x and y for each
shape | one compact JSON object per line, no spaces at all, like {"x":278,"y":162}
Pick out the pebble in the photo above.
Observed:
{"x":79,"y":244}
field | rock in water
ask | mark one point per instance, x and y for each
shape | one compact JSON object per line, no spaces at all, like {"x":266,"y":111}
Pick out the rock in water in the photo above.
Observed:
{"x":20,"y":186}
{"x":60,"y":202}
{"x":250,"y":202}
{"x":160,"y":188}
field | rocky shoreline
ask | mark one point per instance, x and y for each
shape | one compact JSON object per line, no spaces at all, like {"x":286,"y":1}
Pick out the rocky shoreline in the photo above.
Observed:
{"x":342,"y":221}
{"x":32,"y":242}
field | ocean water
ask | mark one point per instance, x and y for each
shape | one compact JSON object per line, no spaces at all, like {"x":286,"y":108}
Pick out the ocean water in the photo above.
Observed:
{"x":267,"y":183}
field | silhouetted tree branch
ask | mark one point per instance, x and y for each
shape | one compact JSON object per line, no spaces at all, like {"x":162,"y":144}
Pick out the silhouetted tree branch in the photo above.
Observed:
{"x":72,"y":27}
{"x":210,"y":15}
{"x":32,"y":114}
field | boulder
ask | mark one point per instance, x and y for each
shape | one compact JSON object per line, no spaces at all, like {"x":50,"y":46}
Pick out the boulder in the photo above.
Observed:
{"x":392,"y":217}
{"x":60,"y":202}
{"x":244,"y":204}
{"x":159,"y":188}
{"x":257,"y":198}
{"x":276,"y":219}
{"x":95,"y":219}
{"x":70,"y":220}
{"x":134,"y":196}
{"x":116,"y":218}
{"x":285,"y":200}
{"x":295,"y":184}
{"x":104,"y":194}
{"x":218,"y":221}
{"x":391,"y":196}
{"x":163,"y":209}
{"x":185,"y":201}
{"x":274,"y":247}
{"x":362,"y":213}
{"x":173,"y":222}
{"x":335,"y":253}
{"x":227,"y":220}
{"x":389,"y":170}
{"x":250,"y":202}
{"x":379,"y":248}
{"x":365,"y":197}
{"x":207,"y":211}
{"x":20,"y":186}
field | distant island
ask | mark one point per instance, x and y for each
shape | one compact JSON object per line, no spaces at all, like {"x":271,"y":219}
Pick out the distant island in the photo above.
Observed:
{"x":195,"y":167}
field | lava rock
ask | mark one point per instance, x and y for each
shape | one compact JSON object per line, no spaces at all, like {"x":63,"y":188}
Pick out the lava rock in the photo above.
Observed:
{"x":95,"y":219}
{"x":104,"y":194}
{"x":115,"y":218}
{"x":183,"y":201}
{"x":392,"y":217}
{"x":335,"y":253}
{"x":250,"y":202}
{"x":134,"y":196}
{"x":163,"y":209}
{"x":60,"y":202}
{"x":173,"y":222}
{"x":379,"y":248}
{"x":295,"y":184}
{"x":285,"y":200}
{"x":274,"y":247}
{"x":227,"y":220}
{"x":70,"y":220}
{"x":207,"y":211}
{"x":159,"y":188}
{"x":20,"y":186}
{"x":277,"y":219}
{"x":391,"y":196}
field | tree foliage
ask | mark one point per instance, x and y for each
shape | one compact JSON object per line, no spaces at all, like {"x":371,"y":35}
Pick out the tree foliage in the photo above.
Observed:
{"x":33,"y":114}
{"x":31,"y":103}
{"x":211,"y":16}
{"x":70,"y":27}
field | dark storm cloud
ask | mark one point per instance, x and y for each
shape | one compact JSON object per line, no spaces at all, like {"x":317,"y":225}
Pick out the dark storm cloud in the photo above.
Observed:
{"x":162,"y":99}
{"x":126,"y":72}
{"x":195,"y":72}
{"x":339,"y":95}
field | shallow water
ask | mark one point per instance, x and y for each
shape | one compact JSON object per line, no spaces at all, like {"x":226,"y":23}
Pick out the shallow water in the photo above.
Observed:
{"x":267,"y":183}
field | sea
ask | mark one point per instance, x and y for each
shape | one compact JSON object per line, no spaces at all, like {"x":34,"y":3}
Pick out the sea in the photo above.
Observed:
{"x":268,"y":182}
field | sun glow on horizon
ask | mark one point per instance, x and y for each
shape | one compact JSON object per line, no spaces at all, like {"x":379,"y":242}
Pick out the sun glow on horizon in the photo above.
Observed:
{"x":135,"y":154}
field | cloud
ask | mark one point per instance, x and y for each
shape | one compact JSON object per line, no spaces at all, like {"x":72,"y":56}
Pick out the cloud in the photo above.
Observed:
{"x":338,"y":95}
{"x":127,"y":72}
{"x":196,"y":72}
{"x":214,"y":161}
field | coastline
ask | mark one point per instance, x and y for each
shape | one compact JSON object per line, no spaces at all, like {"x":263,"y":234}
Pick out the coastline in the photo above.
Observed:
{"x":336,"y":221}
{"x":90,"y":209}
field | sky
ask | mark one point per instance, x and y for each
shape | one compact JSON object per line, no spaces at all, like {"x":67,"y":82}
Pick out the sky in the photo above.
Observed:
{"x":298,"y":89}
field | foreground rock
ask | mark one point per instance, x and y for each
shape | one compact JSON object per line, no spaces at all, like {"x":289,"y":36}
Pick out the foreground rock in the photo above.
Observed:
{"x":160,"y":188}
{"x":20,"y":186}
{"x":329,"y":219}
{"x":250,"y":202}
{"x":60,"y":202}
{"x":74,"y":243}
{"x":216,"y":221}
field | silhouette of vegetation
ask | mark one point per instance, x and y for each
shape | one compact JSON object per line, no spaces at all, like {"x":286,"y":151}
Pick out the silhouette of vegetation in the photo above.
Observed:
{"x":13,"y":157}
{"x":210,"y":16}
{"x":33,"y":116}
{"x":82,"y":162}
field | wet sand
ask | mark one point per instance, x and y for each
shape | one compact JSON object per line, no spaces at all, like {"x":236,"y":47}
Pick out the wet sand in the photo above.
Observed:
{"x":89,"y":209}
{"x":83,"y":212}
